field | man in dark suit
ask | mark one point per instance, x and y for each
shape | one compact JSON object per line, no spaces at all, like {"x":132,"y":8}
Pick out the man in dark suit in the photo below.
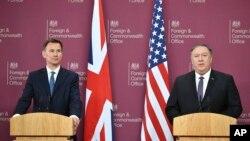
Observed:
{"x":63,"y":97}
{"x":204,"y":89}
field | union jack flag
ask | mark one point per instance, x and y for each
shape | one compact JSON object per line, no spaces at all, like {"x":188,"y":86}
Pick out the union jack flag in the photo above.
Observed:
{"x":155,"y":125}
{"x":98,"y":109}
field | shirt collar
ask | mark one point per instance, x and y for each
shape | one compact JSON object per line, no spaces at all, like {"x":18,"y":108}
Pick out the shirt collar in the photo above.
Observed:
{"x":206,"y":75}
{"x":55,"y":70}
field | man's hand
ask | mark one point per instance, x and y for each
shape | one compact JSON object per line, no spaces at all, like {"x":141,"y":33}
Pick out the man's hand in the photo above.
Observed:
{"x":76,"y":122}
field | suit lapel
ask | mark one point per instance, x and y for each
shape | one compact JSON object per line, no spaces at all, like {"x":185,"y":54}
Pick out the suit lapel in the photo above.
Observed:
{"x":193,"y":85}
{"x":59,"y":79}
{"x":45,"y":81}
{"x":210,"y":84}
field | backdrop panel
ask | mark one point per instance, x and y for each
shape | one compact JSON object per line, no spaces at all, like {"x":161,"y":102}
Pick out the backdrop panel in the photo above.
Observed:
{"x":25,"y":24}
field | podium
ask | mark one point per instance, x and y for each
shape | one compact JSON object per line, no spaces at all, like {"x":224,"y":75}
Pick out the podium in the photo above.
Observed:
{"x":203,"y":127}
{"x":41,"y":127}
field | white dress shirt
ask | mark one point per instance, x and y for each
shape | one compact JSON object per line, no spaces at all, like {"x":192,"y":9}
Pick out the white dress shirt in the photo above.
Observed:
{"x":205,"y":80}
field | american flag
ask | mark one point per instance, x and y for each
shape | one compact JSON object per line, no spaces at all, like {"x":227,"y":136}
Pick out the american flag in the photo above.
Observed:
{"x":155,"y":125}
{"x":98,"y":109}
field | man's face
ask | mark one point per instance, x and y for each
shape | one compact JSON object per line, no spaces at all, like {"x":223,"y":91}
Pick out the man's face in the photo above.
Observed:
{"x":201,"y":59}
{"x":53,"y":54}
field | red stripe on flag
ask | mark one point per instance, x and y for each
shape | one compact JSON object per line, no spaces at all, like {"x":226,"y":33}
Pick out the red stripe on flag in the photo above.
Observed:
{"x":165,"y":76}
{"x":147,"y":137}
{"x":98,"y":88}
{"x":157,"y":82}
{"x":157,"y":91}
{"x":102,"y":27}
{"x":95,"y":105}
{"x":103,"y":134}
{"x":153,"y":117}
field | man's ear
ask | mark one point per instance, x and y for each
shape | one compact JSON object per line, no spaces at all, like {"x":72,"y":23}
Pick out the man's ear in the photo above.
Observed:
{"x":43,"y":54}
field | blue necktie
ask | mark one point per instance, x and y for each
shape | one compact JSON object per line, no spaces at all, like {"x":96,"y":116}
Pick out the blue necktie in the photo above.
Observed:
{"x":200,"y":89}
{"x":52,"y":82}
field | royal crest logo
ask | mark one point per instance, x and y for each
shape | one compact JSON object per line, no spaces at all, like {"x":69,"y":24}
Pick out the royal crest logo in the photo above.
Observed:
{"x":13,"y":65}
{"x":175,"y":23}
{"x":236,"y":24}
{"x":114,"y":23}
{"x":115,"y":107}
{"x":135,"y":66}
{"x":53,"y":23}
{"x":73,"y":66}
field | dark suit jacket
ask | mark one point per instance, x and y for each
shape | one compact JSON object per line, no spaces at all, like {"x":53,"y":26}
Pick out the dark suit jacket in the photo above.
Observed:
{"x":65,"y":99}
{"x":221,"y":96}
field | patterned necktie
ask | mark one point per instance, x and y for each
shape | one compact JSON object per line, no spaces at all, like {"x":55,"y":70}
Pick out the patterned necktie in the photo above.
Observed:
{"x":200,"y":89}
{"x":52,"y":82}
